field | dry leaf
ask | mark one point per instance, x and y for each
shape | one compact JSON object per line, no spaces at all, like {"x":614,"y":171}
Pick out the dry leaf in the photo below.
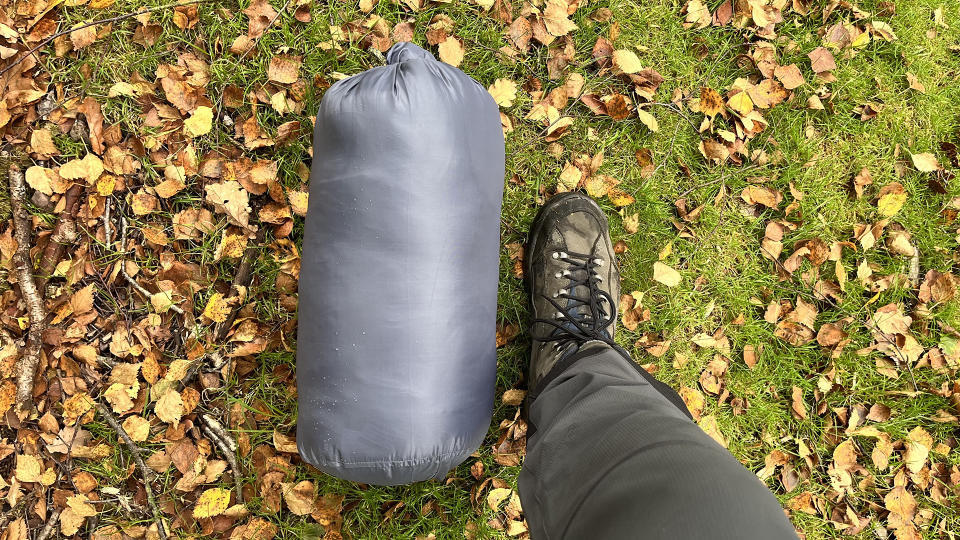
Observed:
{"x":556,"y":20}
{"x":284,"y":69}
{"x":626,"y":61}
{"x":211,"y":502}
{"x":504,"y":91}
{"x":451,"y":51}
{"x":925,"y":162}
{"x":200,"y":123}
{"x":666,"y":275}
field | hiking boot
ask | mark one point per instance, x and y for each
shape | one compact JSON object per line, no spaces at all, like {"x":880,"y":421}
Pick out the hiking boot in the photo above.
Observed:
{"x":574,"y":282}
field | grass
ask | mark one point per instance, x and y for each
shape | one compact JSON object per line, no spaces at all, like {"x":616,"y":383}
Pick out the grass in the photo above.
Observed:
{"x":725,"y":273}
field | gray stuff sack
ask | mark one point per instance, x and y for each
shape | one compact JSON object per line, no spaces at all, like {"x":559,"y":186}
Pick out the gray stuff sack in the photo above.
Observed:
{"x":396,"y":360}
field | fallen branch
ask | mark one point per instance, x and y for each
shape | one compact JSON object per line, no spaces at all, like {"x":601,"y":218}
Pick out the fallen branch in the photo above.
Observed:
{"x":228,"y":447}
{"x":22,"y":230}
{"x":138,"y":459}
{"x":64,"y":232}
{"x":49,"y":525}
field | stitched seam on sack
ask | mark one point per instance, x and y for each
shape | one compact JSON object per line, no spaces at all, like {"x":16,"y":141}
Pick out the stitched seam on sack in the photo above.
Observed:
{"x":399,"y":462}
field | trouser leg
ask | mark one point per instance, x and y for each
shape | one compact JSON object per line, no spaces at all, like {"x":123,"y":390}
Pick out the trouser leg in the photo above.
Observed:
{"x":614,"y":455}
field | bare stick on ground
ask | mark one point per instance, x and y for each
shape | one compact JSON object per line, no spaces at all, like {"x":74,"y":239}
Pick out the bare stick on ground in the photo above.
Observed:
{"x":138,"y":459}
{"x":22,"y":230}
{"x":49,"y":525}
{"x":228,"y":447}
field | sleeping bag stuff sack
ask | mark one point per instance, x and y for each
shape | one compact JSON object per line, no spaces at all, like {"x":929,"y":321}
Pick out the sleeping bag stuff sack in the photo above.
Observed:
{"x":396,"y":359}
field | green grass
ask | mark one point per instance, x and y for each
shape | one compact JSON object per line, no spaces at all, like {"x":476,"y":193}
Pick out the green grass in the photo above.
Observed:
{"x":724,"y":271}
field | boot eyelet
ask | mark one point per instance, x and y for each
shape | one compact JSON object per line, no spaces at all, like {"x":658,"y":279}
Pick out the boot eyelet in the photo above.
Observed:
{"x":556,"y":255}
{"x":598,"y":262}
{"x":558,"y":275}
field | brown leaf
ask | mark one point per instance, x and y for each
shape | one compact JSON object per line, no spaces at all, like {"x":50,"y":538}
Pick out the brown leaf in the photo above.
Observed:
{"x":261,"y":14}
{"x":798,"y":406}
{"x":937,"y":287}
{"x":845,"y":456}
{"x":821,"y":60}
{"x":284,"y":69}
{"x":556,"y":19}
{"x":520,"y":33}
{"x":790,"y":76}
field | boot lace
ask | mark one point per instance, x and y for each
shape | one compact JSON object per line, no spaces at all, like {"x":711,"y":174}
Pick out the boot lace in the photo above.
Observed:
{"x":584,"y":317}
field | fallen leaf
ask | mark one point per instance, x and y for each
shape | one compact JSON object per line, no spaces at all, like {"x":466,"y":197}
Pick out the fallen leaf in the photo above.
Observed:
{"x":711,"y":102}
{"x":284,"y":69}
{"x":925,"y":162}
{"x":170,"y":407}
{"x":451,"y":51}
{"x":504,"y":91}
{"x":211,"y":502}
{"x":790,"y":76}
{"x":891,"y":199}
{"x":556,"y":20}
{"x":200,"y":123}
{"x":821,"y":60}
{"x":666,"y":275}
{"x":231,"y":199}
{"x":626,"y":61}
{"x":648,"y":120}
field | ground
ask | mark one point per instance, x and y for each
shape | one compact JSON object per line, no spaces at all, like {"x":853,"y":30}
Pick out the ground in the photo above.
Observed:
{"x":786,"y":230}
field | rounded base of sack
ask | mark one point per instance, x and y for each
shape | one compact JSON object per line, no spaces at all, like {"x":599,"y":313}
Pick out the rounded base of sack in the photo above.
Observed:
{"x":392,"y":473}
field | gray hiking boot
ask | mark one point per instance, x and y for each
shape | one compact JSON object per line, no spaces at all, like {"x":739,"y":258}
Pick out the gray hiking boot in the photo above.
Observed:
{"x":574,"y":281}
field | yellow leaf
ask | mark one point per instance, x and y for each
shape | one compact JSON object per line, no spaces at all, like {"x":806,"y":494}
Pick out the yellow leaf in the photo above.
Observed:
{"x":919,"y":443}
{"x":496,"y":496}
{"x":298,"y":201}
{"x":741,"y":103}
{"x":648,"y":120}
{"x":570,"y":176}
{"x":891,"y":199}
{"x":122,"y":89}
{"x":200,"y":123}
{"x":217,"y":309}
{"x":626,"y":61}
{"x":925,"y":162}
{"x":891,"y":203}
{"x":666,"y":275}
{"x":28,"y":468}
{"x":170,"y":407}
{"x":451,"y":51}
{"x":620,"y":198}
{"x":504,"y":91}
{"x":596,"y":187}
{"x":212,"y":502}
{"x":711,"y":103}
{"x":88,"y":168}
{"x":39,"y":179}
{"x":137,"y":427}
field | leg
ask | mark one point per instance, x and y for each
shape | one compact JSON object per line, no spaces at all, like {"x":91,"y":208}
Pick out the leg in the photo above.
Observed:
{"x":611,"y":456}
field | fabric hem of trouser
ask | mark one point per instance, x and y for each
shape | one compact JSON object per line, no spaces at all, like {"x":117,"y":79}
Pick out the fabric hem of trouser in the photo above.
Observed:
{"x":563,"y":364}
